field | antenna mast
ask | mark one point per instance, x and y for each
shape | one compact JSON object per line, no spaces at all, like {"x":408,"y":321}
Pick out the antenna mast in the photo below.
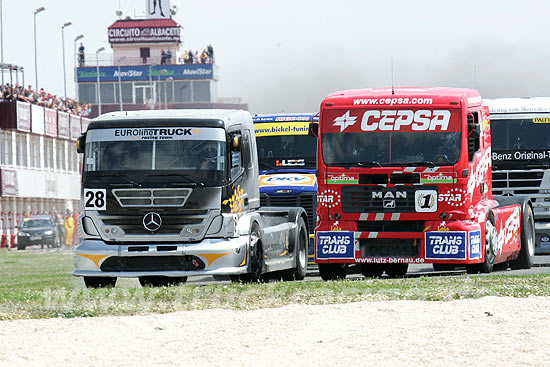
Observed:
{"x":392,"y":91}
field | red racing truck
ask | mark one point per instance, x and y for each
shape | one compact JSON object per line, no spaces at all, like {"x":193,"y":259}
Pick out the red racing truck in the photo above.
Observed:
{"x":404,"y":176}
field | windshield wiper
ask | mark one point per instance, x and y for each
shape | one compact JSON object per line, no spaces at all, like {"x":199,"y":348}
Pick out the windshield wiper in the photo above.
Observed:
{"x":123,"y":177}
{"x":189,"y":179}
{"x":370,"y":164}
{"x":422,"y":163}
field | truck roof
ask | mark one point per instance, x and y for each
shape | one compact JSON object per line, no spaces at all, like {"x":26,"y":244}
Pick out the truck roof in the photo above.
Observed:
{"x":409,"y":96}
{"x":198,"y":117}
{"x":286,"y":117}
{"x":518,"y":105}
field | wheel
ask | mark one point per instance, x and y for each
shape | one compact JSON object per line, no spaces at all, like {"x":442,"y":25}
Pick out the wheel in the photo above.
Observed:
{"x":21,"y":247}
{"x":491,"y":246}
{"x":525,"y":257}
{"x":160,"y":281}
{"x":443,"y":267}
{"x":372,"y":270}
{"x":256,"y":258}
{"x":300,"y":252}
{"x":333,"y":271}
{"x":396,"y":270}
{"x":99,"y":282}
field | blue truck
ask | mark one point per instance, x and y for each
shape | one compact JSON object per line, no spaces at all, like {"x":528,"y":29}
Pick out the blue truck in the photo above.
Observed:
{"x":287,"y":162}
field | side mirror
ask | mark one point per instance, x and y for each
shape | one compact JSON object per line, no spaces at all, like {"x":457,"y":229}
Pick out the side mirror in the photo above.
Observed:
{"x":313,"y":129}
{"x":81,"y":143}
{"x":236,"y":143}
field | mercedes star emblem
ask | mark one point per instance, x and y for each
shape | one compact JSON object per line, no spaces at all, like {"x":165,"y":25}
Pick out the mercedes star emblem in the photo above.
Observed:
{"x":152,"y":221}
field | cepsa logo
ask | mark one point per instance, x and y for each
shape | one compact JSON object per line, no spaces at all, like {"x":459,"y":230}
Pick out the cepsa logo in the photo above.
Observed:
{"x":289,"y":179}
{"x":510,"y":230}
{"x":445,"y":245}
{"x":335,"y":245}
{"x":397,"y":120}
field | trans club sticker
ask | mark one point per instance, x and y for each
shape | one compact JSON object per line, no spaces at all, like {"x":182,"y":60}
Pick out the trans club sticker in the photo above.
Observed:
{"x":335,"y":245}
{"x":445,"y":245}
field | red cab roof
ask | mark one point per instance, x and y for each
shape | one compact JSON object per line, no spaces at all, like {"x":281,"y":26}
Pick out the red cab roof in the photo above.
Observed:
{"x":422,"y":96}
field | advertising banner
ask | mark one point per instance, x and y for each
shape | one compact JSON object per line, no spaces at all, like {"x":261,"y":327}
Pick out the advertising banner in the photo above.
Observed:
{"x":23,"y":116}
{"x":144,"y":34}
{"x":142,"y":72}
{"x":8,"y":183}
{"x":158,"y":9}
{"x":63,"y":130}
{"x":37,"y":119}
{"x":75,"y":126}
{"x":283,"y":128}
{"x":50,"y":122}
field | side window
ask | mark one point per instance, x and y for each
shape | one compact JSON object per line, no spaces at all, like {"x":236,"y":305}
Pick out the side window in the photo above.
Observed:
{"x":246,"y":152}
{"x":473,"y":134}
{"x":236,"y":157}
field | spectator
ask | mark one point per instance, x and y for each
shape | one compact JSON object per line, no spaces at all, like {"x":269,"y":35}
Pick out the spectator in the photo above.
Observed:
{"x":162,"y":57}
{"x":81,"y":55}
{"x":68,"y":223}
{"x":168,"y":56}
{"x":204,"y":57}
{"x":190,"y":55}
{"x":210,"y":51}
{"x":75,"y":232}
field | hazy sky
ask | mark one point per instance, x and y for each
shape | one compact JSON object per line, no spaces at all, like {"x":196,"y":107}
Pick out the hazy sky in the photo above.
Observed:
{"x":286,"y":55}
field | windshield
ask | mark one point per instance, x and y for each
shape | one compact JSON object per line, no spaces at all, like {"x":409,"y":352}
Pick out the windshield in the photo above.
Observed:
{"x":400,"y":137}
{"x":286,"y":151}
{"x":198,"y":159}
{"x":36,"y":223}
{"x":524,"y":139}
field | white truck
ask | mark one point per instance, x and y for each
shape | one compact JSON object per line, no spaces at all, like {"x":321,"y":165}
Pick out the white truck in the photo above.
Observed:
{"x":520,"y":135}
{"x":171,"y":194}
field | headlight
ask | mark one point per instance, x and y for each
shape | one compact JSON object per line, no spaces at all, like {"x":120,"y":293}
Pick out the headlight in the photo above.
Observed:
{"x":48,"y":233}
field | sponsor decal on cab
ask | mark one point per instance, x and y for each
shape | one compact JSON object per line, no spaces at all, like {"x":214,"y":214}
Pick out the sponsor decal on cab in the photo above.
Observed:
{"x":328,"y":198}
{"x":439,"y":178}
{"x":288,"y":179}
{"x":335,"y":245}
{"x":445,"y":245}
{"x":474,"y":239}
{"x":397,"y":120}
{"x":342,"y":178}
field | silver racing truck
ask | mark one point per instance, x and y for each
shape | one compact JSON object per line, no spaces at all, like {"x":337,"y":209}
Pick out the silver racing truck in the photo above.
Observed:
{"x":171,"y":194}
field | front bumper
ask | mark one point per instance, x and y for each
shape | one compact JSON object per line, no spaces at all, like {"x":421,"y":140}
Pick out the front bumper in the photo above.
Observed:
{"x":224,"y":256}
{"x":36,"y":240}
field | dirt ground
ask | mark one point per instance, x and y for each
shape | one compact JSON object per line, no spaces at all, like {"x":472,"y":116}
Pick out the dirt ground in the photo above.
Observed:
{"x":490,"y":331}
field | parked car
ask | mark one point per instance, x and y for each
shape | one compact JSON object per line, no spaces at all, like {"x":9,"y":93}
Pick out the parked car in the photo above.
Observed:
{"x":37,"y":230}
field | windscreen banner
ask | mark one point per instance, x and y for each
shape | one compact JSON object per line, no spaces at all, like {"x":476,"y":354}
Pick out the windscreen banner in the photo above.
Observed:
{"x":23,"y":116}
{"x":37,"y":122}
{"x":287,"y":128}
{"x":50,"y":122}
{"x":155,"y":133}
{"x":63,"y":129}
{"x":391,"y":120}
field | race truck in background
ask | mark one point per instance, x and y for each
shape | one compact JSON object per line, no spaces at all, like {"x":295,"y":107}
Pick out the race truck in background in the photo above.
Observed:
{"x":175,"y":193}
{"x":520,"y":135}
{"x":287,"y":163}
{"x":405,"y":177}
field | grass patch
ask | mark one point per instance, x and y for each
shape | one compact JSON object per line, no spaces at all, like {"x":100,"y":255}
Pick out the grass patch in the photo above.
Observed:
{"x":40,"y":285}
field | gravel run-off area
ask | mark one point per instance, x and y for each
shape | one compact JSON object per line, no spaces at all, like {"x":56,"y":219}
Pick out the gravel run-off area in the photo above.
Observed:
{"x":490,"y":331}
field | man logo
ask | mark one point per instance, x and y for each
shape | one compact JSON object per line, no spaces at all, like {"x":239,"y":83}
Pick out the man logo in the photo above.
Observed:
{"x":152,"y":221}
{"x":389,"y":204}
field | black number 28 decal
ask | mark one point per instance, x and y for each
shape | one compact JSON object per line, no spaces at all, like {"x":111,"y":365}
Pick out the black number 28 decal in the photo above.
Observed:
{"x":95,"y":199}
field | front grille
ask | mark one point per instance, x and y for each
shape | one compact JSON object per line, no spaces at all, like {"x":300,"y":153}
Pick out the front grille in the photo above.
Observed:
{"x":391,"y":226}
{"x":389,"y":247}
{"x":152,"y":263}
{"x":172,"y":223}
{"x":152,"y":198}
{"x":308,"y":201}
{"x":378,"y":199}
{"x":517,"y":182}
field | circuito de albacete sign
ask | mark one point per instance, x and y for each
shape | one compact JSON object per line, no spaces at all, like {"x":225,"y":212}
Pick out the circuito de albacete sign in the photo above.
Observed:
{"x":144,"y":34}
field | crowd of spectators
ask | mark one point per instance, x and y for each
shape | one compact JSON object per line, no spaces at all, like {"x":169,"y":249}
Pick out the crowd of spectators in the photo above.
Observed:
{"x":205,"y":57}
{"x":41,"y":98}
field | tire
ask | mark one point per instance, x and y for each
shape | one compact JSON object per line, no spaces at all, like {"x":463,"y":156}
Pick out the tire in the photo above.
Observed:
{"x":525,"y":257}
{"x":161,"y":281}
{"x":372,"y":270}
{"x":396,"y":270}
{"x":21,"y":247}
{"x":100,"y":282}
{"x":333,"y":271}
{"x":256,"y":257}
{"x":300,"y":252}
{"x":490,"y":249}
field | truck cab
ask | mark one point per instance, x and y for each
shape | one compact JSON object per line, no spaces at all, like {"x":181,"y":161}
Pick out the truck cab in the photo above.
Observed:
{"x":171,"y":194}
{"x":405,"y":177}
{"x":287,"y":163}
